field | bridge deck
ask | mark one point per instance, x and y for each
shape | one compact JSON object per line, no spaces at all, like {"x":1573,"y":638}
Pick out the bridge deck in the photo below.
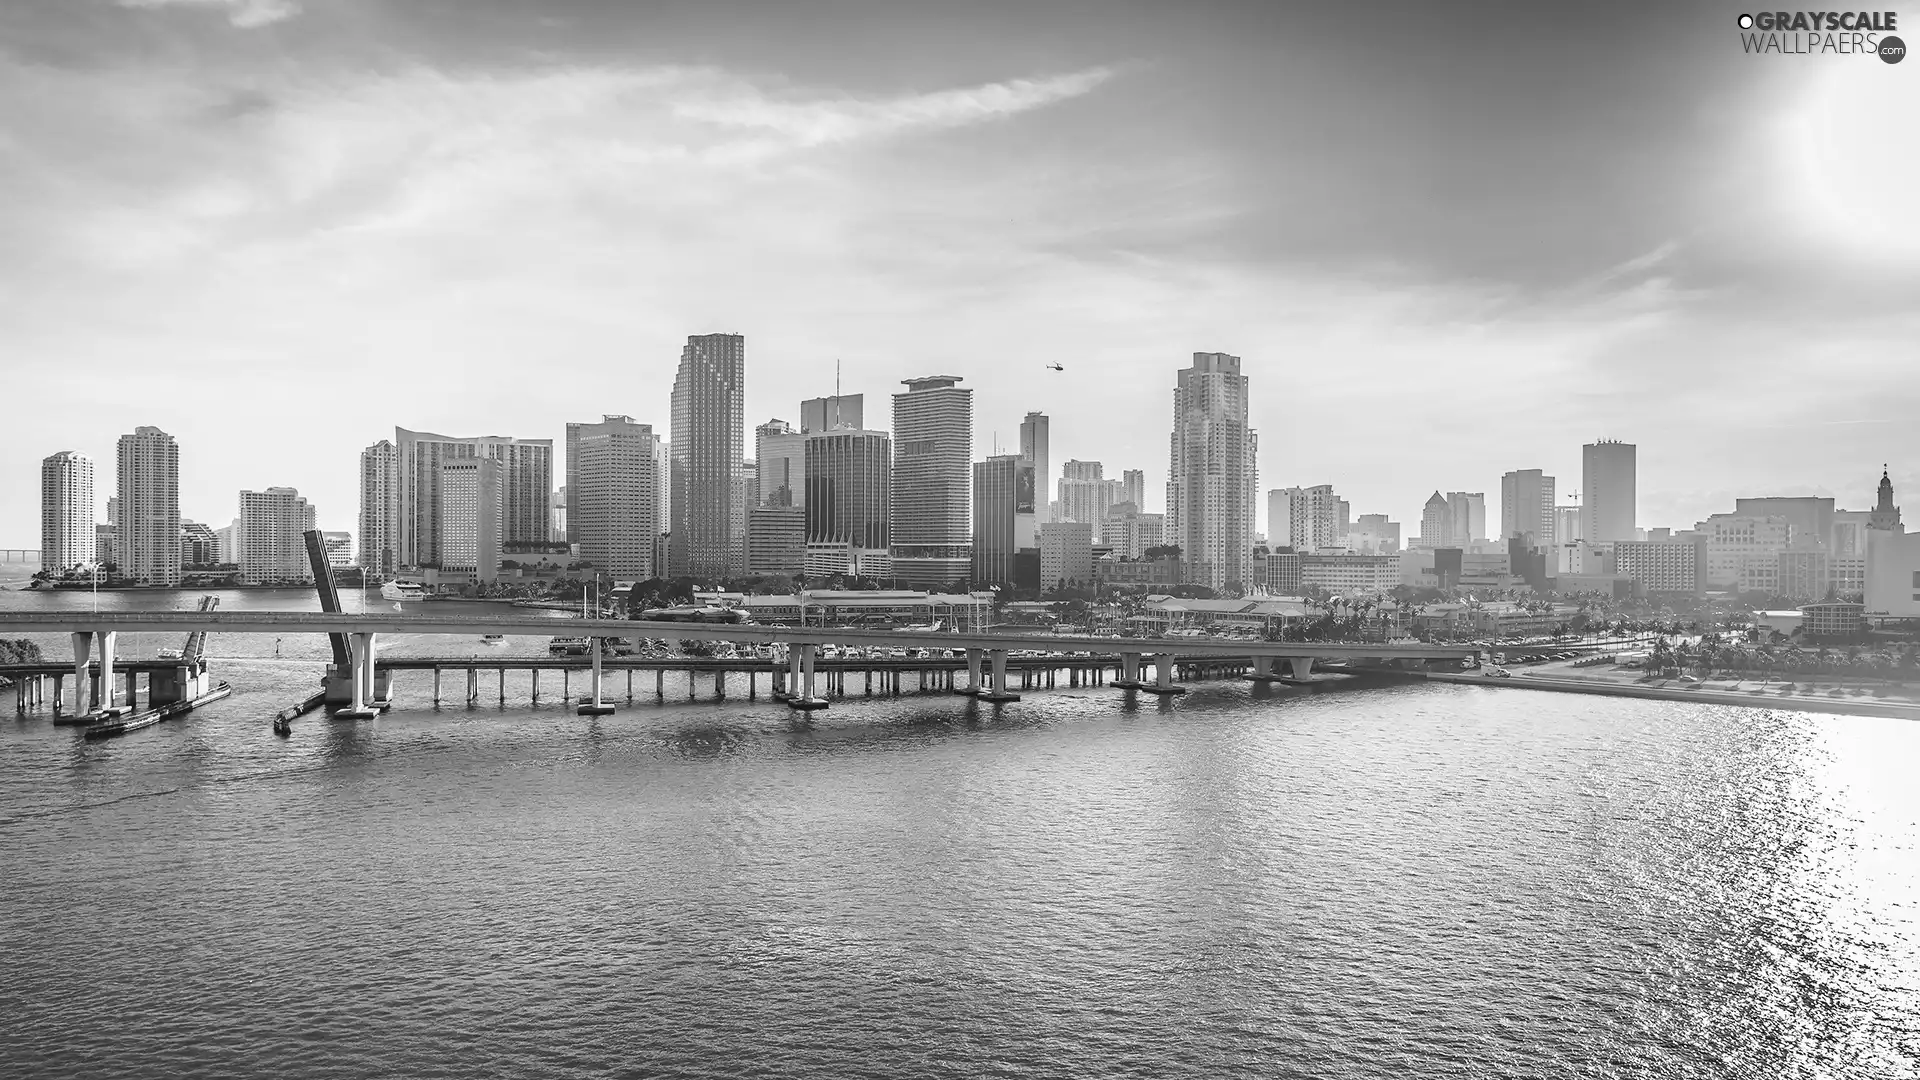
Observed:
{"x":264,"y":622}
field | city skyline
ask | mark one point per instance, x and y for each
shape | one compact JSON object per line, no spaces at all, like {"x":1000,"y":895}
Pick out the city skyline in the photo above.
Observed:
{"x":195,"y":214}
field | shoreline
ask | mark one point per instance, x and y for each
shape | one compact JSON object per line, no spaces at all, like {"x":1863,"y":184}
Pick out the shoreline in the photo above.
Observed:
{"x":1851,"y":706}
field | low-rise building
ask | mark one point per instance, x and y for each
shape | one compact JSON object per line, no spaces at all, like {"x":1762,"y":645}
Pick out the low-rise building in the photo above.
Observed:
{"x":1663,"y":567}
{"x":1833,"y":619}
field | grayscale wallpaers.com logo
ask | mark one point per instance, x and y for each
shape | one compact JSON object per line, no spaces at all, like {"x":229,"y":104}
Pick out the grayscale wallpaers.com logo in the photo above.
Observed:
{"x":1810,"y":32}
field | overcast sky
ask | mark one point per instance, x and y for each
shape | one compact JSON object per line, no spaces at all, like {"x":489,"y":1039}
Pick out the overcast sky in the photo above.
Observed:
{"x":1449,"y":241}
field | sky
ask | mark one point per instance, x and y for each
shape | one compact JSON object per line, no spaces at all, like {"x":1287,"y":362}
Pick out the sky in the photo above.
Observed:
{"x":1448,"y":241}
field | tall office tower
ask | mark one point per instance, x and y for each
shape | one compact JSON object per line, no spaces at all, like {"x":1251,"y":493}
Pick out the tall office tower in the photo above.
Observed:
{"x":932,"y":506}
{"x":781,"y":453}
{"x":1305,"y":518}
{"x":380,"y":510}
{"x":1608,"y":475}
{"x":615,"y":493}
{"x":776,"y":541}
{"x":146,"y":537}
{"x":1468,"y":513}
{"x":572,"y":446}
{"x":1004,"y":515}
{"x":66,"y":511}
{"x":560,"y":533}
{"x":709,"y":532}
{"x":849,"y":489}
{"x":827,"y":413}
{"x":1526,"y":508}
{"x":1436,"y":524}
{"x":1133,"y":489}
{"x":1566,"y":525}
{"x":1033,"y":447}
{"x":1212,"y":473}
{"x":525,"y":477}
{"x":273,"y":545}
{"x":469,"y":516}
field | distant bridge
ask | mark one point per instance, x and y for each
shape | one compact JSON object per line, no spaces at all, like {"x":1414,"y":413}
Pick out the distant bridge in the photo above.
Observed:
{"x":981,"y":650}
{"x":19,"y":554}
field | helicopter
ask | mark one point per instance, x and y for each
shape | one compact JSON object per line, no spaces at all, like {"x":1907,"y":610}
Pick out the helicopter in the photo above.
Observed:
{"x":1055,"y":367}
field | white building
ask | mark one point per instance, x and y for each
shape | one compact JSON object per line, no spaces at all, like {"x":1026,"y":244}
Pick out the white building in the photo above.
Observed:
{"x":469,"y":517}
{"x":1349,"y":574}
{"x":339,"y":548}
{"x":1526,"y":508}
{"x":273,"y":550}
{"x":524,"y":469}
{"x":67,"y":509}
{"x":1212,"y":473}
{"x":780,"y":456}
{"x":1743,"y":550}
{"x":147,"y":535}
{"x":615,"y":492}
{"x":380,"y":510}
{"x":1307,"y":518}
{"x":1893,"y":561}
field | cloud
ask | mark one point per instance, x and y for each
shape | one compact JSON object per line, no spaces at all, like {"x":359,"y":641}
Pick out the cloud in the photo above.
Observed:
{"x":245,"y":14}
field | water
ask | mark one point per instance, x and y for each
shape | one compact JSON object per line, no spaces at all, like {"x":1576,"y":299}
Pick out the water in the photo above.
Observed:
{"x":1441,"y":881}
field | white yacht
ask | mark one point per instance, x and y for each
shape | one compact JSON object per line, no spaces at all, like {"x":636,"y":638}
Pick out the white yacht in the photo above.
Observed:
{"x":403,"y":590}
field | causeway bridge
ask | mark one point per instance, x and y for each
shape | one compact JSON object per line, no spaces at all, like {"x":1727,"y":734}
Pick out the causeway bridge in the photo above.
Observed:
{"x":985,"y":655}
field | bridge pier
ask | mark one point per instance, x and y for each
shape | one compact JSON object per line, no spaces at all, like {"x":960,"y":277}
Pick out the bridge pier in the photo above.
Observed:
{"x":536,"y":685}
{"x":1163,"y":677}
{"x":1129,"y":672}
{"x":594,"y":706}
{"x":1263,"y":670}
{"x":973,"y":687}
{"x":503,"y":687}
{"x":803,"y":663}
{"x":473,"y":687}
{"x":998,"y":692}
{"x":361,"y":649}
{"x":436,"y":688}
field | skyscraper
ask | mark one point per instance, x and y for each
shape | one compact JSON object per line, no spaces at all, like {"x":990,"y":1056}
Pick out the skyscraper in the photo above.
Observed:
{"x":1066,"y":555}
{"x":932,"y":508}
{"x":524,"y":475}
{"x":380,"y":509}
{"x":615,"y":491}
{"x":1003,"y":495}
{"x":1607,"y":473}
{"x":469,"y":516}
{"x":1033,"y":447}
{"x":66,"y":511}
{"x":1526,"y":508}
{"x":1467,"y":511}
{"x":709,"y":532}
{"x":849,"y":485}
{"x":273,"y":547}
{"x":827,"y":413}
{"x":1436,"y":524}
{"x":572,"y":447}
{"x":147,"y":535}
{"x":1085,"y":492}
{"x":781,"y":452}
{"x":1212,"y":473}
{"x":1133,"y":489}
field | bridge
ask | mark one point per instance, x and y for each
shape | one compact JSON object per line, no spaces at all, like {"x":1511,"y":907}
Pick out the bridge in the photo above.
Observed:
{"x":986,"y":654}
{"x":19,"y":555}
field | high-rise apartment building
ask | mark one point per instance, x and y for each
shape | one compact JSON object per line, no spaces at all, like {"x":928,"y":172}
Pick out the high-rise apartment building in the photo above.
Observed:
{"x":66,"y":511}
{"x":273,"y":550}
{"x":524,"y":472}
{"x":1526,"y":508}
{"x":572,"y":447}
{"x":1035,"y":435}
{"x":615,"y":491}
{"x":1212,"y":473}
{"x":1066,"y":555}
{"x":1130,"y":533}
{"x":471,"y":491}
{"x":1608,"y":473}
{"x":1306,"y":518}
{"x":1085,"y":494}
{"x":380,"y":510}
{"x":1133,"y":488}
{"x":147,"y":533}
{"x":827,"y":413}
{"x":339,"y":548}
{"x":1004,"y":515}
{"x":849,"y":484}
{"x":709,"y":532}
{"x":932,"y":465}
{"x":198,"y":544}
{"x":780,"y":451}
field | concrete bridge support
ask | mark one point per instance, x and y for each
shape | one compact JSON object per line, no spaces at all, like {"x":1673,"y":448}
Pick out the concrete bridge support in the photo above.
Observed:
{"x":998,"y":692}
{"x":361,"y":648}
{"x":1129,"y":672}
{"x":1163,"y":677}
{"x":593,"y":706}
{"x":973,"y":687}
{"x":82,"y":647}
{"x":806,"y":700}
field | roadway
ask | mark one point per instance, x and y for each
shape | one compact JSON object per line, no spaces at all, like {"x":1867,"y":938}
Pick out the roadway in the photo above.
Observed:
{"x":271,"y":622}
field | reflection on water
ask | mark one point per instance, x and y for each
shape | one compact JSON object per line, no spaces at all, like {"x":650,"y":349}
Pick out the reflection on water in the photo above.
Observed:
{"x":1429,"y":881}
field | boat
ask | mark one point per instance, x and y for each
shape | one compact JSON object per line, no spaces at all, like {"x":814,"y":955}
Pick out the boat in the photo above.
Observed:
{"x":493,"y":639}
{"x":134,"y":721}
{"x":403,"y":590}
